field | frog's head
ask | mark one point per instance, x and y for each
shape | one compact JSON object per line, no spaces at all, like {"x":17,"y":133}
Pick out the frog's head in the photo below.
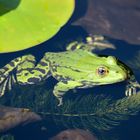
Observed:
{"x":110,"y":70}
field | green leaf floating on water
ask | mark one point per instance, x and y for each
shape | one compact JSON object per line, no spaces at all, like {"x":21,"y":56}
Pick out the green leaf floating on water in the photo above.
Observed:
{"x":25,"y":23}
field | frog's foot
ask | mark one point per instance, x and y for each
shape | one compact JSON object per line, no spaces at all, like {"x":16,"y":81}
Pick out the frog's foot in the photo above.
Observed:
{"x":130,"y":90}
{"x":93,"y":42}
{"x":131,"y":87}
{"x":76,"y":45}
{"x":99,"y":42}
{"x":59,"y":97}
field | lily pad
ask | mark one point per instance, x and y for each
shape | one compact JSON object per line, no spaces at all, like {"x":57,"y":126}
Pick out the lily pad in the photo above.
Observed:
{"x":26,"y":23}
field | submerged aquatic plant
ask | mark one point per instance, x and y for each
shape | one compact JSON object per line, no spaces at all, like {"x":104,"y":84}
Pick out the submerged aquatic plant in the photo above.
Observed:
{"x":87,"y":111}
{"x":95,"y":113}
{"x":7,"y":137}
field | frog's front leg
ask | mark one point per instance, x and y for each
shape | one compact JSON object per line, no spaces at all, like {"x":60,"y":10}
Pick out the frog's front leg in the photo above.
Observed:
{"x":61,"y":88}
{"x":131,"y":88}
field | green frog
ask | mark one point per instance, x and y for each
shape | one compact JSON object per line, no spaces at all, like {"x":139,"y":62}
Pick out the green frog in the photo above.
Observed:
{"x":78,"y":67}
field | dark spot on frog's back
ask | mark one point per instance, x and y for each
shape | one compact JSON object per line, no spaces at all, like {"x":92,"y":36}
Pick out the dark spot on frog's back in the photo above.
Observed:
{"x":43,"y":63}
{"x":76,"y":70}
{"x":40,"y":70}
{"x":12,"y":64}
{"x":26,"y":74}
{"x":5,"y":68}
{"x":34,"y":80}
{"x":16,"y":59}
{"x":63,"y":79}
{"x":21,"y":70}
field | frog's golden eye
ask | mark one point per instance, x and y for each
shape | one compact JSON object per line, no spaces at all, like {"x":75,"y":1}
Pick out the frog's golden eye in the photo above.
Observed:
{"x":102,"y":71}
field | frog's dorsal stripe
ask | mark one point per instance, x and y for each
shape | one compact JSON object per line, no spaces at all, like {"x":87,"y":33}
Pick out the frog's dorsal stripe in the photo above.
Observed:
{"x":63,"y":79}
{"x":74,"y":69}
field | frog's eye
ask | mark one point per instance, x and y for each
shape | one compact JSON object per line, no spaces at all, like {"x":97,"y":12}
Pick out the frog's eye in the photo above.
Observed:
{"x":102,"y":71}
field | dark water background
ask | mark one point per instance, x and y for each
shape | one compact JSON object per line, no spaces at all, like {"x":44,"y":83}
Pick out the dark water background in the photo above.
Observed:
{"x":125,"y":51}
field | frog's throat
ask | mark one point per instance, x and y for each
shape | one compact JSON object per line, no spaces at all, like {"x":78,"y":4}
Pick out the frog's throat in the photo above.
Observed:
{"x":128,"y":70}
{"x":130,"y":75}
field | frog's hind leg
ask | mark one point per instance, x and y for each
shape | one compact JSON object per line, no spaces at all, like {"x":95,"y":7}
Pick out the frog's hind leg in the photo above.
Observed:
{"x":98,"y":42}
{"x":29,"y":73}
{"x":61,"y":88}
{"x":93,"y":42}
{"x":22,"y":70}
{"x":75,"y":45}
{"x":3,"y":86}
{"x":7,"y":75}
{"x":7,"y":84}
{"x":8,"y":69}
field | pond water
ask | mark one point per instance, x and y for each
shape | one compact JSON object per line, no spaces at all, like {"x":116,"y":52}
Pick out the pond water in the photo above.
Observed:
{"x":37,"y":99}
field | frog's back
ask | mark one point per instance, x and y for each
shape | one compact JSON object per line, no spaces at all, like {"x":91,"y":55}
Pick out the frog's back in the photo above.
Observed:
{"x":74,"y":65}
{"x":78,"y":59}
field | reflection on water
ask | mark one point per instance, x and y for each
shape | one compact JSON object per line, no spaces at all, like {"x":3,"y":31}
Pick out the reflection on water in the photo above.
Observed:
{"x":25,"y":97}
{"x":135,"y":62}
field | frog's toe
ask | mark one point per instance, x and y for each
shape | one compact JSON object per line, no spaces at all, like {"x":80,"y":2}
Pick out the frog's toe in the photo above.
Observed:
{"x":126,"y":93}
{"x":60,"y":101}
{"x":2,"y":91}
{"x":1,"y":94}
{"x":130,"y":91}
{"x":60,"y":104}
{"x":134,"y":90}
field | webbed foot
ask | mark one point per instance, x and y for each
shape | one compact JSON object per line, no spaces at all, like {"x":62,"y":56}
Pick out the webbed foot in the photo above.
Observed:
{"x":99,"y":42}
